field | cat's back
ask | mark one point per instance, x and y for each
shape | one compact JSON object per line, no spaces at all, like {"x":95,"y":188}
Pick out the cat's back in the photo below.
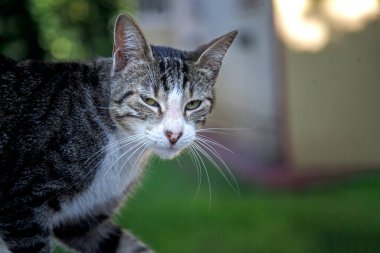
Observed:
{"x":31,"y":81}
{"x":41,"y":102}
{"x":30,"y":92}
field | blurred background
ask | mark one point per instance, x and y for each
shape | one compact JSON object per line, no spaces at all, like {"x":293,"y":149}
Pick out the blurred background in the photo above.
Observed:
{"x":298,"y":101}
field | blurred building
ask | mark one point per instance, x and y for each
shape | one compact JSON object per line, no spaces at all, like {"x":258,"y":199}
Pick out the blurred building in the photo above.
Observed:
{"x":332,"y":82}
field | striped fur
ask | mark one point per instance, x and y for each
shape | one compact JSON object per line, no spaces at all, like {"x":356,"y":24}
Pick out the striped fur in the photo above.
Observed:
{"x":75,"y":137}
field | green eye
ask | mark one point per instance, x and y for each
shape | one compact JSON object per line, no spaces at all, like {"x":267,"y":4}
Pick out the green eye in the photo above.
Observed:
{"x":192,"y":105}
{"x":151,"y":102}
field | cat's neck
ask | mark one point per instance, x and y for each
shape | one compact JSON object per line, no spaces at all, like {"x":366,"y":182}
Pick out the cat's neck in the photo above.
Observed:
{"x":97,"y":92}
{"x":101,"y":69}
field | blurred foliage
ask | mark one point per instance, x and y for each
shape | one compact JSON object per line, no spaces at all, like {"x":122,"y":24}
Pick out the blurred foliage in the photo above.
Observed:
{"x":59,"y":29}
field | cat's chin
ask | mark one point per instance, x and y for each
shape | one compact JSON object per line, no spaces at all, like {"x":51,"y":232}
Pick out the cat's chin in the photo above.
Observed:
{"x":167,"y":153}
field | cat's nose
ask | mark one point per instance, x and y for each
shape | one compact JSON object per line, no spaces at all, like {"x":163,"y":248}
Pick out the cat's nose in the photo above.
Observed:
{"x":172,"y":137}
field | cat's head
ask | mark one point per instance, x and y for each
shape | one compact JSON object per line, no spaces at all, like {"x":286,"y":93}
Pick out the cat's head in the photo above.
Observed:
{"x":161,"y":94}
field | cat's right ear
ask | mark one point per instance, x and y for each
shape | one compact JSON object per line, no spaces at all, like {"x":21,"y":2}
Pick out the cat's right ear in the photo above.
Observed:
{"x":208,"y":58}
{"x":130,"y":44}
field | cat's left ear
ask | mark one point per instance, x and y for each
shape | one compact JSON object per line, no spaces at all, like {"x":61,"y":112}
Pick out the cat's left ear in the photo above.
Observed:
{"x":130,"y":45}
{"x":208,"y":58}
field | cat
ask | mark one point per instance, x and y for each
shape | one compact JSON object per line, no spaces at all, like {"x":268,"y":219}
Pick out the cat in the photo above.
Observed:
{"x":75,"y":137}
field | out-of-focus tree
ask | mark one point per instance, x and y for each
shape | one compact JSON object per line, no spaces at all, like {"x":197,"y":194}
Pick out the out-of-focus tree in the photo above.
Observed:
{"x":59,"y":29}
{"x":19,"y":31}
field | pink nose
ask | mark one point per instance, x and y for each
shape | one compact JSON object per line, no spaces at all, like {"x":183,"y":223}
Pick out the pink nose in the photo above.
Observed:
{"x":172,"y":137}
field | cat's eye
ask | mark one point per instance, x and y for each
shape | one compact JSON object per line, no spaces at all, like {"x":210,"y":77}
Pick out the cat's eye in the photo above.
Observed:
{"x":150,"y":101}
{"x":192,"y":105}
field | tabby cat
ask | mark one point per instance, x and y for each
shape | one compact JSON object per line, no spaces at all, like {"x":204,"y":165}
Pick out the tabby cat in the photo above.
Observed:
{"x":75,"y":137}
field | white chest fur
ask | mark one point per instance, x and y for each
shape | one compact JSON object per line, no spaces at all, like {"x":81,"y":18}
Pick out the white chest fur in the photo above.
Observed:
{"x":122,"y":165}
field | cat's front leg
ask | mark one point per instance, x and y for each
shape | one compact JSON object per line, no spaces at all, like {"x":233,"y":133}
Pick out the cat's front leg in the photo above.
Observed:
{"x":88,"y":236}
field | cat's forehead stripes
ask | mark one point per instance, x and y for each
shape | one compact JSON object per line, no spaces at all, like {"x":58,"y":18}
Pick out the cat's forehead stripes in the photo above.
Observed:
{"x":174,"y":73}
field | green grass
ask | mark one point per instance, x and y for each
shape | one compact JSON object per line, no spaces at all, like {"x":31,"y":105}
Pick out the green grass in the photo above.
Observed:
{"x":167,"y":214}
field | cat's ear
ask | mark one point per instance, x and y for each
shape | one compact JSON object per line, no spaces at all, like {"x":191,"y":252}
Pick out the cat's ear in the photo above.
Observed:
{"x":130,"y":44}
{"x":208,"y":58}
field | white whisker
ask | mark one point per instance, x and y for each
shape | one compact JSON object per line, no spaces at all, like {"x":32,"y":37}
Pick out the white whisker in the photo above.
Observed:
{"x":134,"y":167}
{"x":136,"y":144}
{"x":212,"y":150}
{"x":123,"y":145}
{"x":179,"y":161}
{"x":221,"y":131}
{"x":205,"y":169}
{"x":209,"y":140}
{"x":137,"y":148}
{"x":195,"y":161}
{"x":94,"y":156}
